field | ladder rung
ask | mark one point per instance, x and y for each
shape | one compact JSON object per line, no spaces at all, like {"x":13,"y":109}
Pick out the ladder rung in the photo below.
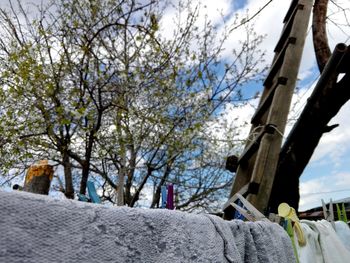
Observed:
{"x":287,"y":29}
{"x":278,"y":62}
{"x":254,"y":145}
{"x":264,"y":105}
{"x":290,"y":10}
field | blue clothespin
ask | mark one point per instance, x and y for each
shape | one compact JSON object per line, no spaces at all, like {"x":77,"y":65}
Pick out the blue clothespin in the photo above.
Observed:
{"x":92,"y":193}
{"x":238,"y":215}
{"x":83,"y":198}
{"x":164,"y":196}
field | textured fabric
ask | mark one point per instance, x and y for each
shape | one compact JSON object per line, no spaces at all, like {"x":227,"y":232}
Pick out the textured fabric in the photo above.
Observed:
{"x":312,"y":251}
{"x":343,"y":231}
{"x":40,"y":229}
{"x":332,"y":249}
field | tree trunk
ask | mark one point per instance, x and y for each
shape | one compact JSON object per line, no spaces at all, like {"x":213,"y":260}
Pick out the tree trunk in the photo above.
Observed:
{"x":84,"y":177}
{"x":156,"y":196}
{"x":128,"y":184}
{"x":69,"y":189}
{"x":38,"y":178}
{"x":319,"y":33}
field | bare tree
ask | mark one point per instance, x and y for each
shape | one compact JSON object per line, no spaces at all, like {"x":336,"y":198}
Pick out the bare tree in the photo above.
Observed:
{"x":94,"y":86}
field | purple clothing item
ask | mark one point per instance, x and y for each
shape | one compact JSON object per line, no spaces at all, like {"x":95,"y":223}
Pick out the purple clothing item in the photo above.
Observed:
{"x":170,"y":198}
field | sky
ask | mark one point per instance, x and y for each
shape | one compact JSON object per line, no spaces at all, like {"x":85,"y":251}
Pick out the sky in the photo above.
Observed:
{"x":328,"y":173}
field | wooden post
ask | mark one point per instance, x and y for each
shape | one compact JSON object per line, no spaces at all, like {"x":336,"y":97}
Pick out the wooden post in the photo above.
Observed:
{"x":257,"y":165}
{"x":324,"y":103}
{"x":268,"y":154}
{"x":38,"y":178}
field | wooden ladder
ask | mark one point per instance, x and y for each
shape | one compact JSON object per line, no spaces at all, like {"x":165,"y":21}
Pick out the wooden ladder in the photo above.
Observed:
{"x":257,"y":164}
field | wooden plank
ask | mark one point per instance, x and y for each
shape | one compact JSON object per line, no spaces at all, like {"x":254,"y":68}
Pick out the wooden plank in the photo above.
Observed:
{"x":267,"y":157}
{"x":266,"y":102}
{"x":323,"y":104}
{"x":247,"y":160}
{"x":275,"y":68}
{"x":281,"y":67}
{"x":243,"y":175}
{"x":287,"y":29}
{"x":292,"y":6}
{"x":254,"y":145}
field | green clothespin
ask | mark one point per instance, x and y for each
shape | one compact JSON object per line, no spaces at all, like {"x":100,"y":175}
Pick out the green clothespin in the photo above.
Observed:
{"x":290,"y":230}
{"x":342,"y":213}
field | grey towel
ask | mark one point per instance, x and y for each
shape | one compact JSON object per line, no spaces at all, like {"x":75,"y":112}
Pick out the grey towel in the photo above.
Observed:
{"x":40,"y":229}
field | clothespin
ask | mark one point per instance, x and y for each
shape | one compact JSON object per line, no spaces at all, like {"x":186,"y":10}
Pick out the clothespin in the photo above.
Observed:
{"x":342,"y":213}
{"x":290,"y":231}
{"x":93,"y":196}
{"x":164,"y":196}
{"x":170,"y":197}
{"x":92,"y":192}
{"x":328,"y":213}
{"x":237,"y":214}
{"x":284,"y":210}
{"x":249,"y":211}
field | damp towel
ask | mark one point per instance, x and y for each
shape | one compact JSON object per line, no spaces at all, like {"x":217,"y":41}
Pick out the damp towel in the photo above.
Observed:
{"x":323,"y":245}
{"x":332,"y":248}
{"x":40,"y":229}
{"x":343,"y":231}
{"x":311,"y":251}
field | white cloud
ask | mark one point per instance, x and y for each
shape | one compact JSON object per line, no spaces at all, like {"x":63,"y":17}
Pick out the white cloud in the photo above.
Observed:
{"x":209,"y":10}
{"x":333,"y":186}
{"x":335,"y":143}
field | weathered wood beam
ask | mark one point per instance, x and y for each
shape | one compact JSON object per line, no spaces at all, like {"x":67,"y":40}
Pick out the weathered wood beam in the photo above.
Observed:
{"x":266,"y":162}
{"x":324,"y":103}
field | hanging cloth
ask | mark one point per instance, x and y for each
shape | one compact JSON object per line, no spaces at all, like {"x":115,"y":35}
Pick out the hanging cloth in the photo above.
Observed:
{"x":332,"y":248}
{"x":343,"y":231}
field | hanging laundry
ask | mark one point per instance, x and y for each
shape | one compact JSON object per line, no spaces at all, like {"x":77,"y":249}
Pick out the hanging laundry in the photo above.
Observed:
{"x":311,"y":251}
{"x":40,"y":229}
{"x":170,"y":197}
{"x":164,"y":196}
{"x":332,"y":248}
{"x":343,"y":231}
{"x":322,"y":244}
